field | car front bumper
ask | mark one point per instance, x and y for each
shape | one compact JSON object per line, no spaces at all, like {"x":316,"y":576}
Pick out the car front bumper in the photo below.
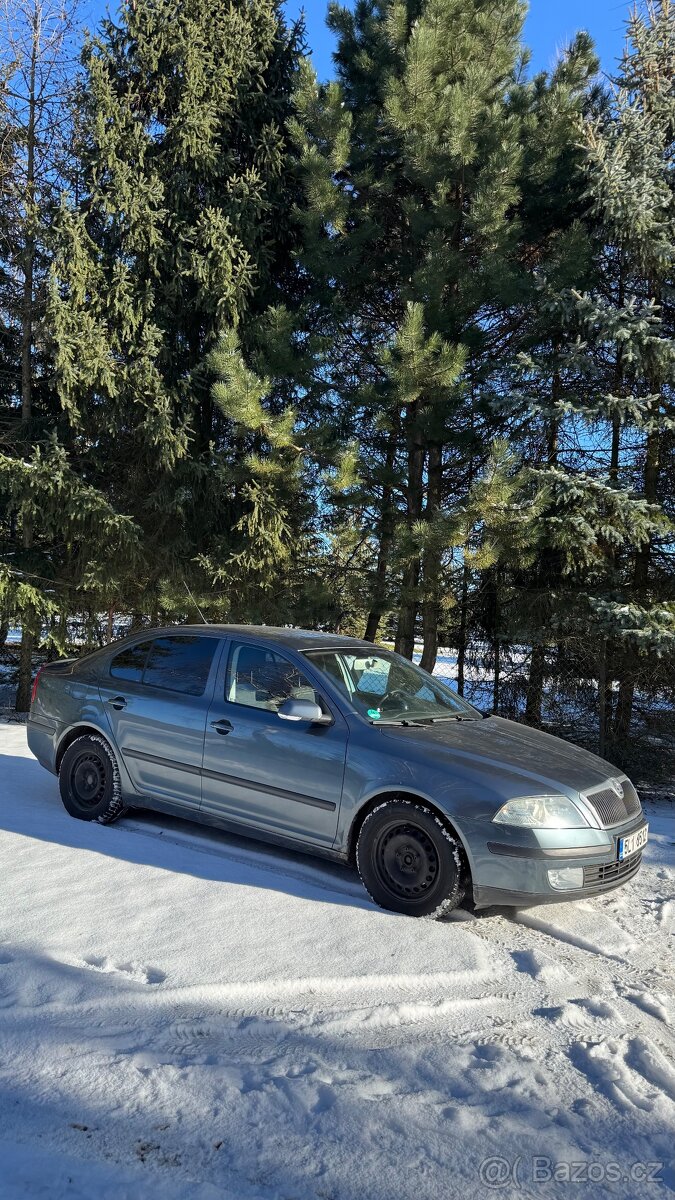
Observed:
{"x":514,"y":871}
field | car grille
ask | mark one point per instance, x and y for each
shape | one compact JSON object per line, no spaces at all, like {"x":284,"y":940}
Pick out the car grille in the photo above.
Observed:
{"x":610,"y":809}
{"x":613,"y":872}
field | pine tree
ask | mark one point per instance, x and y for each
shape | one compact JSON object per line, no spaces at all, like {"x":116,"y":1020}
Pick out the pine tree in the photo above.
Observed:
{"x":415,"y":162}
{"x":534,"y":387}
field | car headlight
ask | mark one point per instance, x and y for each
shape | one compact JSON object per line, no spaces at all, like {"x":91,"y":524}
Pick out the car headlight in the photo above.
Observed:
{"x":541,"y":812}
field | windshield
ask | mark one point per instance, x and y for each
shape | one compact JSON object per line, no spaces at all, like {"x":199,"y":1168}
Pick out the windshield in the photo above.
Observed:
{"x":383,"y":686}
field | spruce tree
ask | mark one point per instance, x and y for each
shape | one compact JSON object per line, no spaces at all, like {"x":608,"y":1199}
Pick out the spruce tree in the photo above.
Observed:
{"x":598,"y":380}
{"x":36,"y":51}
{"x":9,"y":355}
{"x":179,"y":232}
{"x":629,"y":323}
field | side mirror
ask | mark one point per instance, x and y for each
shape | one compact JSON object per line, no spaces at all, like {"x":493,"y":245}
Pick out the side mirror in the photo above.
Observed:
{"x":302,"y":710}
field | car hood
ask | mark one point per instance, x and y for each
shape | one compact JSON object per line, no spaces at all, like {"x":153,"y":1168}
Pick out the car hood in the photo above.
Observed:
{"x":495,"y":743}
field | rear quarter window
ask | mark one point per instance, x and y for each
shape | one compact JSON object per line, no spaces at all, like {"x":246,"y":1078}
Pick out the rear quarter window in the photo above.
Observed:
{"x":130,"y":663}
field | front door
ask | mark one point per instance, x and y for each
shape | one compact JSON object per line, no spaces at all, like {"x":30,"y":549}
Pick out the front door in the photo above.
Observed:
{"x":281,"y":776}
{"x":156,"y":694}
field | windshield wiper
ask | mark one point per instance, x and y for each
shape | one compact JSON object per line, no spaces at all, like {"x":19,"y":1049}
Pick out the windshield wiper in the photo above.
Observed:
{"x":452,"y":717}
{"x":404,"y":721}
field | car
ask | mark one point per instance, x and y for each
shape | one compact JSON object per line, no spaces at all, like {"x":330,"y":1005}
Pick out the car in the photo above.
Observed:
{"x":341,"y":748}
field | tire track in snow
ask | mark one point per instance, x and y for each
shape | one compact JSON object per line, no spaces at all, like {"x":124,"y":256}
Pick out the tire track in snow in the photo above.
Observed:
{"x":630,"y":1071}
{"x":583,"y":1007}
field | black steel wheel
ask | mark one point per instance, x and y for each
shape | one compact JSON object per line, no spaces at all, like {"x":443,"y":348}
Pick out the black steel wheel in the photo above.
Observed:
{"x":89,"y":781}
{"x":409,"y":861}
{"x":405,"y":859}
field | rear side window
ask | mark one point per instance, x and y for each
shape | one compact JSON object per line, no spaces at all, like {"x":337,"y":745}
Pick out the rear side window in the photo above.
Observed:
{"x":130,"y":663}
{"x":180,"y":664}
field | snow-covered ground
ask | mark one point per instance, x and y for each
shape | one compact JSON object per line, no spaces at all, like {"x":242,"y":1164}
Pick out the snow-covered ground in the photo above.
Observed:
{"x":186,"y":1014}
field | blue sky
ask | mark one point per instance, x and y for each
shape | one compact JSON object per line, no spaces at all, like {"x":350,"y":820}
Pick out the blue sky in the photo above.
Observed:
{"x":550,"y":26}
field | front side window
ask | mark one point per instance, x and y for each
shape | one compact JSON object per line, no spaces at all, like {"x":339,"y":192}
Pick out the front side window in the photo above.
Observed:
{"x":383,"y":686}
{"x":129,"y":664}
{"x":180,"y":664}
{"x":259,"y":677}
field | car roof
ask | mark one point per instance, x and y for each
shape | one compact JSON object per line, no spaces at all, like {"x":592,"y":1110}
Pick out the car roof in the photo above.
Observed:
{"x":294,"y":639}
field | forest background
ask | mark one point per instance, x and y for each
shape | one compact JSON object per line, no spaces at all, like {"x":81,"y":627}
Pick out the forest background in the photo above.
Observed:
{"x":391,"y":354}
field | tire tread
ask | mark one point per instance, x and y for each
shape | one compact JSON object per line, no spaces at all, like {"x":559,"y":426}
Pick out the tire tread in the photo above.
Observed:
{"x":455,"y":896}
{"x":116,"y":806}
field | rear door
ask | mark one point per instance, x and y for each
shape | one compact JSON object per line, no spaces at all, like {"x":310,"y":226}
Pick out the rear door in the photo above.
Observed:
{"x":281,"y":776}
{"x":156,"y":694}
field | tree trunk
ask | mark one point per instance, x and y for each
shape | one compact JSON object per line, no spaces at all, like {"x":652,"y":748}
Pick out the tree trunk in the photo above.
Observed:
{"x":372,"y":624}
{"x":464,"y":596}
{"x":379,"y":596}
{"x":405,"y":634}
{"x":624,"y":707}
{"x":624,"y":704}
{"x":496,"y":642}
{"x":614,"y":453}
{"x":25,"y":676}
{"x":626,"y":697}
{"x":651,"y":476}
{"x":432,"y":563}
{"x":430,"y":626}
{"x":545,"y":573}
{"x":604,"y":699}
{"x":463,"y":626}
{"x":535,"y":685}
{"x":29,"y":247}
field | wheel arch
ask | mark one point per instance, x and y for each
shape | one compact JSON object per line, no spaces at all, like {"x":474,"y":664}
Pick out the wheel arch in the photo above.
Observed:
{"x":413,"y":798}
{"x":71,"y":735}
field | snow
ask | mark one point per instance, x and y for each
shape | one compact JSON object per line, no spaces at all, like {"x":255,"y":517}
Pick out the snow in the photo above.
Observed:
{"x":190,"y":1014}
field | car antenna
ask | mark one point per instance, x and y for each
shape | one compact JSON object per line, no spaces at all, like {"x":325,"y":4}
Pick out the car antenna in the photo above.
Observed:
{"x":195,"y":603}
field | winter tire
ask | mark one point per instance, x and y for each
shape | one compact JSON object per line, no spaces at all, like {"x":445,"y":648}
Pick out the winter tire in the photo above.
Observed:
{"x":89,"y":781}
{"x":409,"y":861}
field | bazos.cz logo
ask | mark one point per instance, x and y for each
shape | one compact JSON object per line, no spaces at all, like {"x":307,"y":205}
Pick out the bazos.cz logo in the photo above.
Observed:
{"x":498,"y":1172}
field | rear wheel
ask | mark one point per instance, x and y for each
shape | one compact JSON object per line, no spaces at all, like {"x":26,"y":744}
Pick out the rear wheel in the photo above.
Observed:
{"x":409,"y":861}
{"x":89,"y":781}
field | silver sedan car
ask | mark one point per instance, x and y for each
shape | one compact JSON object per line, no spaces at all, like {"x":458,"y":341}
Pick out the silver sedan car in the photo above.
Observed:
{"x":337,"y":747}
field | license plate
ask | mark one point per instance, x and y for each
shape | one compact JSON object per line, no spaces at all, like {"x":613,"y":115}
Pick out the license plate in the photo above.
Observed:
{"x":633,"y":842}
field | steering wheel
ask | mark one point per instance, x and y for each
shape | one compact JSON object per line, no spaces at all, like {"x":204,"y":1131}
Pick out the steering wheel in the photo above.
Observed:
{"x":405,"y":705}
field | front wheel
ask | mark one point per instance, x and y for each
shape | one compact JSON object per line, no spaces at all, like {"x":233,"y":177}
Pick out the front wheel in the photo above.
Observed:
{"x":409,"y":861}
{"x":89,"y":781}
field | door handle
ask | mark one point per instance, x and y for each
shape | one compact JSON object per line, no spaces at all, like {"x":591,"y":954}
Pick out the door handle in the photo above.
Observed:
{"x":222,"y":726}
{"x":118,"y":702}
